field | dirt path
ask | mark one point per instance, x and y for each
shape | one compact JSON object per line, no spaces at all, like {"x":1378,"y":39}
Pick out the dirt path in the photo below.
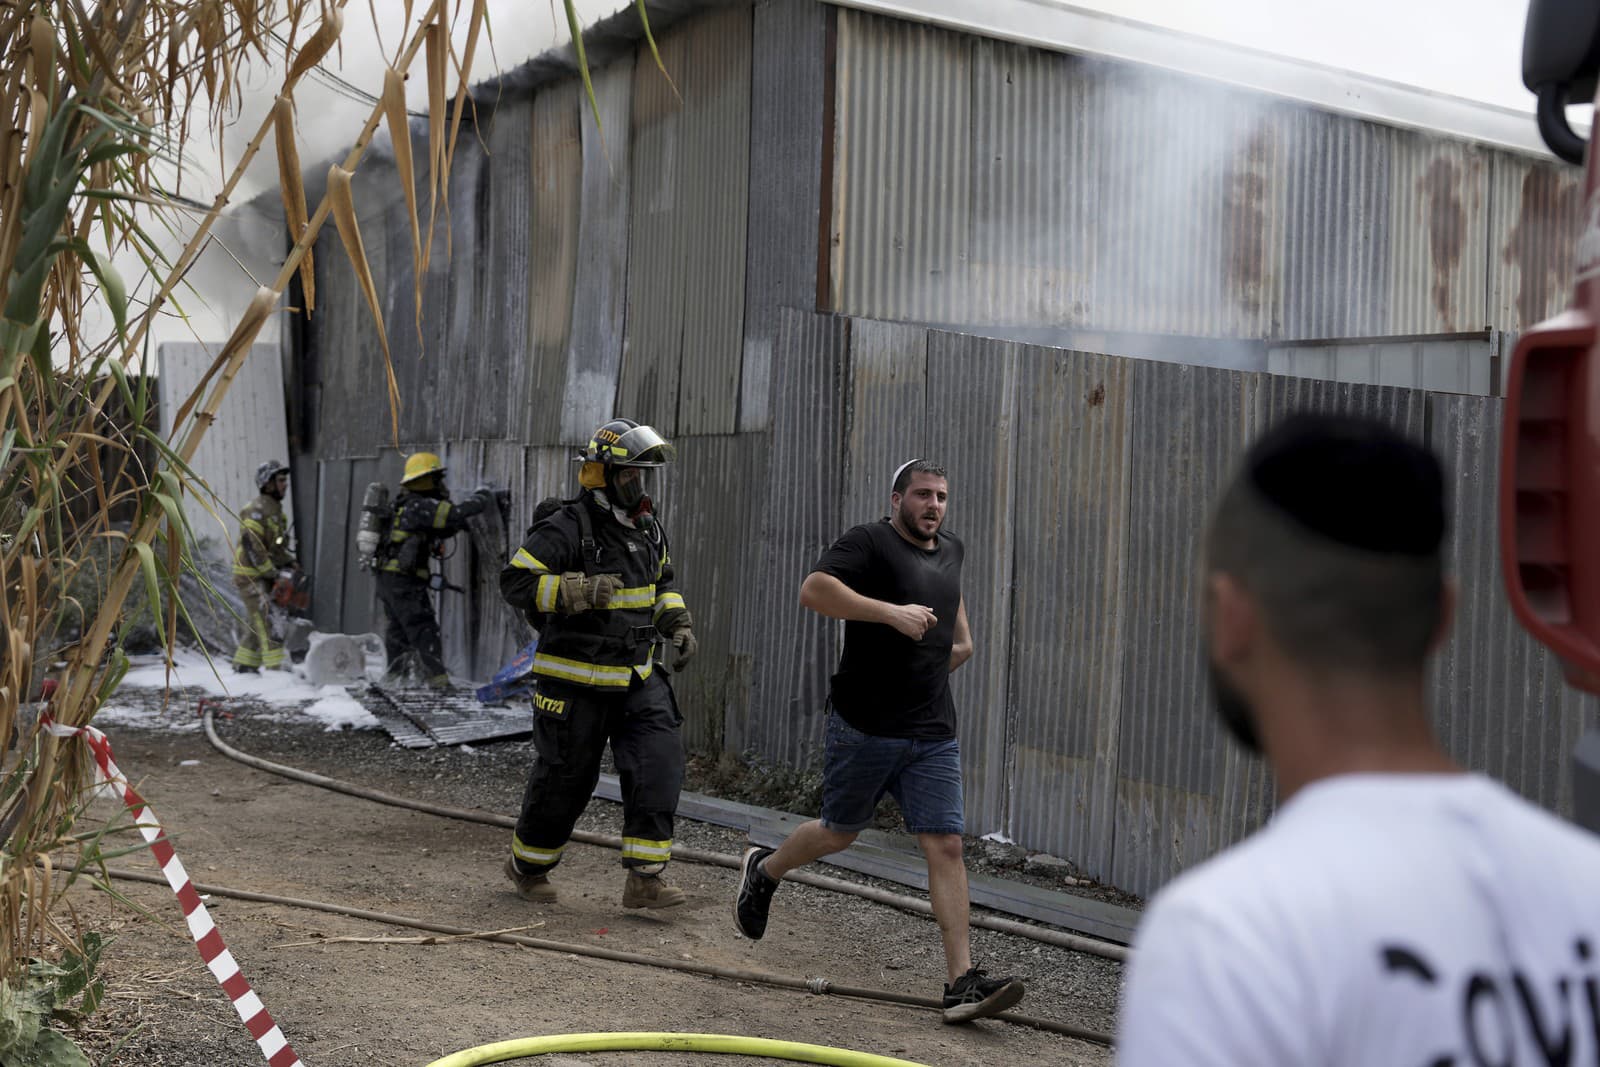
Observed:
{"x":350,"y":1003}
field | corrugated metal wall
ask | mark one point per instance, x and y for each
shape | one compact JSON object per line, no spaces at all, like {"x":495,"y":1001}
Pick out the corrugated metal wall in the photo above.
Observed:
{"x":249,"y":430}
{"x":983,"y":183}
{"x":657,"y":271}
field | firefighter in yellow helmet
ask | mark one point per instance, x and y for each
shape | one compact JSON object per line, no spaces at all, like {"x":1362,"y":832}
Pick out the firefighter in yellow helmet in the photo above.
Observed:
{"x":594,"y":576}
{"x":260,"y":555}
{"x":423,"y":519}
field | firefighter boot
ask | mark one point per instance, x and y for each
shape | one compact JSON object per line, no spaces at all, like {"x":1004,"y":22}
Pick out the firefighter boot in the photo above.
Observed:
{"x":649,"y":891}
{"x":533,"y":887}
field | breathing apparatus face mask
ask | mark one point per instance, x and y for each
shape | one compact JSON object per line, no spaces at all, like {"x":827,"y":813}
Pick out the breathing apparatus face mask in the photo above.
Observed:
{"x":629,"y":489}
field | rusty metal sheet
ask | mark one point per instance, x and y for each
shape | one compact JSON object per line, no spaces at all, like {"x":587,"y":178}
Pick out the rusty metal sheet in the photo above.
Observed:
{"x":1439,"y":204}
{"x":887,"y":420}
{"x":972,"y":427}
{"x":1068,"y":607}
{"x":1190,"y":226}
{"x":1536,"y":211}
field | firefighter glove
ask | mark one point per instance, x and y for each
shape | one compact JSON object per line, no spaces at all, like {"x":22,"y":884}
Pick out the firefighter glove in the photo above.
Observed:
{"x":682,"y":637}
{"x":683,"y":640}
{"x":580,"y":592}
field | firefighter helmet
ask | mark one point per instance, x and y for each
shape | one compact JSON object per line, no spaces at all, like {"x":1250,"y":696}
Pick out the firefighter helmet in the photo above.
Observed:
{"x":268,"y":471}
{"x":616,"y":459}
{"x":625,"y":443}
{"x":420,"y":465}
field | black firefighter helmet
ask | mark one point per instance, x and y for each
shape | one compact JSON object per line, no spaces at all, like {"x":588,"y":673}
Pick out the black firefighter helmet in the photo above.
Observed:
{"x":618,"y":446}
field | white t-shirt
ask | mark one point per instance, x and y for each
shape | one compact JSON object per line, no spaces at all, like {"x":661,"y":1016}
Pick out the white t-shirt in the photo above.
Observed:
{"x":1377,"y":921}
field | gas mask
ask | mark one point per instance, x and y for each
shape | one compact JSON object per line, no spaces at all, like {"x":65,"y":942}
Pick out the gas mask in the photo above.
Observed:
{"x":628,"y":488}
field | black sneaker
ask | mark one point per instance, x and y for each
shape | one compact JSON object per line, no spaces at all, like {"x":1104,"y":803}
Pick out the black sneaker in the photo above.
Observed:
{"x":976,"y":996}
{"x":755,"y":894}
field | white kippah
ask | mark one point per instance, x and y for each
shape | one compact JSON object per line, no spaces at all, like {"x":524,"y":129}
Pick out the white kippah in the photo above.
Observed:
{"x":895,"y":477}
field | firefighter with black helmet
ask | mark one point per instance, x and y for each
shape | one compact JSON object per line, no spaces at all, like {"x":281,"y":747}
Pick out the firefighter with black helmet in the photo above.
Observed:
{"x":423,"y":519}
{"x":261,"y":554}
{"x":596,"y":578}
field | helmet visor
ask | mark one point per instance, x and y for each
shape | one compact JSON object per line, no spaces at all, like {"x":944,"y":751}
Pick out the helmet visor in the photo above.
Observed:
{"x":642,"y":447}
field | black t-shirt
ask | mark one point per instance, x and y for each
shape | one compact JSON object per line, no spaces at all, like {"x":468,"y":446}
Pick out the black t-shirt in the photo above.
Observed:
{"x":889,"y":685}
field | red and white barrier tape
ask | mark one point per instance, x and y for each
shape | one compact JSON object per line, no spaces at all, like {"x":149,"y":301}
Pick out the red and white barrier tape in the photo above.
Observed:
{"x":274,"y":1046}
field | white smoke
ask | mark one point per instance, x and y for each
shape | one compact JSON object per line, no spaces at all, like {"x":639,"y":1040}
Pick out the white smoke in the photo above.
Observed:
{"x":332,"y":104}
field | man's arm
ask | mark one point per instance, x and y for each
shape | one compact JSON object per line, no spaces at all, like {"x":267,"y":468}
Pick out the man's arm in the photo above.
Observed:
{"x":531,"y":581}
{"x":827,"y":595}
{"x":961,"y":650}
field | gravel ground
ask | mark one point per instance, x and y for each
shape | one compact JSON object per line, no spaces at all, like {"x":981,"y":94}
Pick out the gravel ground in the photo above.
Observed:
{"x":1071,"y":987}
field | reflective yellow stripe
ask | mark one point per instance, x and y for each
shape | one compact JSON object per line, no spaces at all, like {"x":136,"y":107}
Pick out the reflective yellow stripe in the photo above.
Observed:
{"x":528,"y":854}
{"x":527,"y":561}
{"x":668,"y":601}
{"x":636,"y":848}
{"x":596,"y":674}
{"x":441,"y":515}
{"x":544,"y":597}
{"x":260,"y":570}
{"x":639,"y":596}
{"x":253,"y":526}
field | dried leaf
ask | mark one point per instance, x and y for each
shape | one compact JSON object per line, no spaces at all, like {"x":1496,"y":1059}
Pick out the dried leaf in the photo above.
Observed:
{"x":437,"y":44}
{"x":42,"y":41}
{"x":343,"y":207}
{"x":394,"y":111}
{"x":293,"y":189}
{"x":319,"y":44}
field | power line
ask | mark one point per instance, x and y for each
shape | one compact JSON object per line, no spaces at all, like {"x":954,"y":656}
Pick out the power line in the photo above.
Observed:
{"x":338,"y":85}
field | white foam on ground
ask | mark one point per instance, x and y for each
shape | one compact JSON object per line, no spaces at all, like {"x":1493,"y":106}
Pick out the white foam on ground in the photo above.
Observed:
{"x":288,"y":690}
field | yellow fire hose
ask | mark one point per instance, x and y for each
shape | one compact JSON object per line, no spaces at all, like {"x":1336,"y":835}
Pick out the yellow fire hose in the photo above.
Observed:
{"x":793,"y":1051}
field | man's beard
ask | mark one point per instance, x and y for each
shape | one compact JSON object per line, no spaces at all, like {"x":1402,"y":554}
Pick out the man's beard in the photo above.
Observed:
{"x":1234,"y":710}
{"x":909,"y":517}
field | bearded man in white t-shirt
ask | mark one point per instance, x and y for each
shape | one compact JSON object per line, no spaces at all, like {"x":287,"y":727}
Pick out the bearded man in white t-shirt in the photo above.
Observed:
{"x":1397,"y":911}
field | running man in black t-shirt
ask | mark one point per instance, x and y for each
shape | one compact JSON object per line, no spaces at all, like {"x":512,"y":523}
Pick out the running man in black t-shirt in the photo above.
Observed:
{"x":892,"y":722}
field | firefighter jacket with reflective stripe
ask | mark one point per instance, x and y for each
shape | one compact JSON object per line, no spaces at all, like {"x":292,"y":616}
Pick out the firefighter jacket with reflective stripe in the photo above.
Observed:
{"x":603,"y":648}
{"x":420,"y":524}
{"x":263,"y":548}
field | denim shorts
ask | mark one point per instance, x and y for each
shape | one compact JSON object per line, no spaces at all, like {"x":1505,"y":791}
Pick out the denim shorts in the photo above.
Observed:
{"x":923,"y":776}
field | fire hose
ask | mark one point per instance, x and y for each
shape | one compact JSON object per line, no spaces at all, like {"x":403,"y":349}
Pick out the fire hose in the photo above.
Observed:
{"x":819,"y":986}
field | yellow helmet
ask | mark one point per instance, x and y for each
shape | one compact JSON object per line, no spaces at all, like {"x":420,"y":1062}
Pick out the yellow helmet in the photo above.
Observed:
{"x":420,"y":465}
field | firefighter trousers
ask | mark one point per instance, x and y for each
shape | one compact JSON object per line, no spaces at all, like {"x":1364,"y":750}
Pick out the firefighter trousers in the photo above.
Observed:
{"x":571,"y":727}
{"x":257,"y":646}
{"x":410,"y":624}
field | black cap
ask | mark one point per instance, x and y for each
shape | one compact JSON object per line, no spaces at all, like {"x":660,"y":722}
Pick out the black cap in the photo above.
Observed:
{"x":1354,"y":481}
